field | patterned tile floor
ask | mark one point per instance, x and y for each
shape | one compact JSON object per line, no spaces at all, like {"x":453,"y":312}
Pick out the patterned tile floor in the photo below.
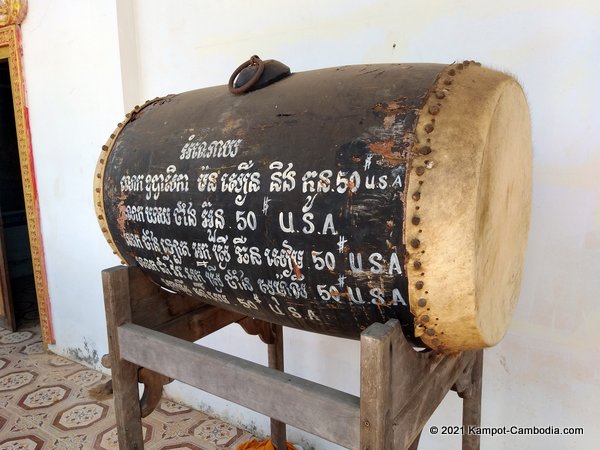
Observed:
{"x":45,"y":404}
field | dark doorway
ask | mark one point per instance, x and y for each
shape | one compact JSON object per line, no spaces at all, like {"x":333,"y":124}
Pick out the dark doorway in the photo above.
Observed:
{"x":16,"y":265}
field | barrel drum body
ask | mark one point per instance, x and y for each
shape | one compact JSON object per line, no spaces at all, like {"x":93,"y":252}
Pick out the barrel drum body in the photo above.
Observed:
{"x":333,"y":199}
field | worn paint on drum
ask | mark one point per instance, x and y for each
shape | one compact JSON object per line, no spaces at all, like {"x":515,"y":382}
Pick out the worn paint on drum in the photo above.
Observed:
{"x":286,"y":203}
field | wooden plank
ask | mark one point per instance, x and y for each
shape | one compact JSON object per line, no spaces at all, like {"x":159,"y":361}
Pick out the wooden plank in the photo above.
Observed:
{"x":318,"y":409}
{"x":375,"y":384}
{"x":151,"y":305}
{"x":421,"y":400}
{"x":275,"y":350}
{"x":115,"y":282}
{"x":198,"y":323}
{"x":156,"y":308}
{"x":472,"y":405}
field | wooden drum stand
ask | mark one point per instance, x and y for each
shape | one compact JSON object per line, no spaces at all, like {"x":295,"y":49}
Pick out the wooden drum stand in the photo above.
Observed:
{"x":151,"y":339}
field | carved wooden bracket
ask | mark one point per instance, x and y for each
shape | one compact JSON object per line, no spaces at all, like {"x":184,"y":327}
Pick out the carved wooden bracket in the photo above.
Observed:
{"x":255,"y":327}
{"x":153,"y":388}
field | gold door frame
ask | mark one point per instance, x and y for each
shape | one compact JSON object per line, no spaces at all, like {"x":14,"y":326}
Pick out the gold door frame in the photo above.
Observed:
{"x":10,"y":48}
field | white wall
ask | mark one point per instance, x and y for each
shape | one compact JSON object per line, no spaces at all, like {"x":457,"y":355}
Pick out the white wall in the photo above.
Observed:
{"x":545,"y":372}
{"x":72,"y":76}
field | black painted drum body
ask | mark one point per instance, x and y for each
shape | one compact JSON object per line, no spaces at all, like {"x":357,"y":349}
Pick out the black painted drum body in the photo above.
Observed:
{"x":288,"y":203}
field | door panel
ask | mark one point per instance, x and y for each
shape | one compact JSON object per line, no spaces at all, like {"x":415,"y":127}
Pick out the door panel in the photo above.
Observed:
{"x":7,"y":315}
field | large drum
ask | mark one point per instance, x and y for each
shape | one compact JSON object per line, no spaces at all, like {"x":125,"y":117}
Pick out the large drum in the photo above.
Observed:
{"x":332,"y":199}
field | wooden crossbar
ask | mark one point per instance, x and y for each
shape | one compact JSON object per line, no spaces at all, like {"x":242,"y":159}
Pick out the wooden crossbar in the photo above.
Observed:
{"x":304,"y":404}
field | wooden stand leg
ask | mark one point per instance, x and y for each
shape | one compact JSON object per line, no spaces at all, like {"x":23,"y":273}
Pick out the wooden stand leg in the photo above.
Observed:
{"x":115,"y":283}
{"x":376,"y":414}
{"x":401,"y":388}
{"x":472,"y":405}
{"x":415,"y":443}
{"x":272,"y":335}
{"x":278,"y":432}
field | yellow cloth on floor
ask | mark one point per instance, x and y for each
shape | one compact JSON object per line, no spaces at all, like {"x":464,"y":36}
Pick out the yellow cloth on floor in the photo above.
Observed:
{"x":261,"y":445}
